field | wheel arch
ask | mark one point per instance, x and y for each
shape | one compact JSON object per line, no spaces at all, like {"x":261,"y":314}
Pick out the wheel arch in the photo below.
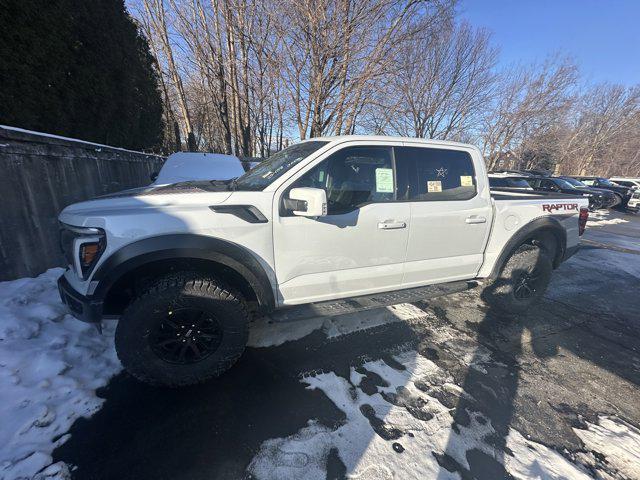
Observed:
{"x":154,"y":256}
{"x":546,"y":232}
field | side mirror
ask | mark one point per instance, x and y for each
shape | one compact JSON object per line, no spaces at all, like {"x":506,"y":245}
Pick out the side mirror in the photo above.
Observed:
{"x":311,"y":202}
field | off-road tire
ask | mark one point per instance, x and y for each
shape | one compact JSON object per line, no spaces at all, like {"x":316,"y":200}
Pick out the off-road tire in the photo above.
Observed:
{"x":505,"y":292}
{"x":174,"y":292}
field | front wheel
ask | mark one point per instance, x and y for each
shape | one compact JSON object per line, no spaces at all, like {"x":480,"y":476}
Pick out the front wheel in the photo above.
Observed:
{"x":522,"y":281}
{"x":182,"y":330}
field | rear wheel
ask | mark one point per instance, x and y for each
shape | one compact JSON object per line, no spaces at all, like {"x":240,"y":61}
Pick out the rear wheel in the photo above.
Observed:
{"x":182,"y":330}
{"x":522,"y":281}
{"x":619,"y":201}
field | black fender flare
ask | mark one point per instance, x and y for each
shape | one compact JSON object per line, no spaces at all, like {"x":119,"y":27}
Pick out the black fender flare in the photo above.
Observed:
{"x":184,"y":246}
{"x":550,"y":224}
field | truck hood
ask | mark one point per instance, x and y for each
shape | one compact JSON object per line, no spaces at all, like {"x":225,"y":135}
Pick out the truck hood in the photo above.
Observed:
{"x":136,"y":200}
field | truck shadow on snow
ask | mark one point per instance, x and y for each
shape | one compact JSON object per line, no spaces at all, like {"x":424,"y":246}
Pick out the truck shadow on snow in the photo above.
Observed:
{"x":215,"y":430}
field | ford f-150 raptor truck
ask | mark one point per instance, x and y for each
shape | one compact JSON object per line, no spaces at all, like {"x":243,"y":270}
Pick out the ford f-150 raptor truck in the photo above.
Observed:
{"x":325,"y":224}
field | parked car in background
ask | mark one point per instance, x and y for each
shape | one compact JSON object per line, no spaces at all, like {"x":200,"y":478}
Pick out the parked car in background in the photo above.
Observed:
{"x":623,"y":193}
{"x":633,"y":183}
{"x":608,"y":198}
{"x":634,"y":201}
{"x":508,"y":182}
{"x":597,"y":198}
{"x":193,"y":166}
{"x":538,"y":173}
{"x":511,"y":173}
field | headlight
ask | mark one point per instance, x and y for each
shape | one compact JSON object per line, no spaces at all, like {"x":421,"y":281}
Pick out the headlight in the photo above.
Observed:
{"x":82,"y":247}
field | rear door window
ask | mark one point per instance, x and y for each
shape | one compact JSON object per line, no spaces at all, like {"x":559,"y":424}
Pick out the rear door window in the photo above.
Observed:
{"x":434,"y":174}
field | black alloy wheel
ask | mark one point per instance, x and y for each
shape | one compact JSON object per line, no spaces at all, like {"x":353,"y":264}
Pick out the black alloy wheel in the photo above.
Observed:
{"x":186,"y":335}
{"x":526,"y":285}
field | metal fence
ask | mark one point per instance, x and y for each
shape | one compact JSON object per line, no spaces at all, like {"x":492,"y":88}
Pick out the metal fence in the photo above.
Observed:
{"x":40,"y":175}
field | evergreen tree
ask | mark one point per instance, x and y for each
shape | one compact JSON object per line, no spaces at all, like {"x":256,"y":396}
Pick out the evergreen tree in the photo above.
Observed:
{"x":78,"y":68}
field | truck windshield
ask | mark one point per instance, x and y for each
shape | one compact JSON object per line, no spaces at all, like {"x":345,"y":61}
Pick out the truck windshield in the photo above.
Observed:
{"x":262,"y":175}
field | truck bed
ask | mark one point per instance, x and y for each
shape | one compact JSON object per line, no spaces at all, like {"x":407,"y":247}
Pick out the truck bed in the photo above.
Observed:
{"x":500,"y":194}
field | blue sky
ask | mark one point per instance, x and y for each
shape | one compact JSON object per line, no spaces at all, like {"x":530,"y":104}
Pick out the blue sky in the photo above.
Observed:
{"x":603,"y":36}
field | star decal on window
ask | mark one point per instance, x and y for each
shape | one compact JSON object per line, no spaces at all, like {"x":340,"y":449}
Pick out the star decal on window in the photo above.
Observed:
{"x":441,"y":172}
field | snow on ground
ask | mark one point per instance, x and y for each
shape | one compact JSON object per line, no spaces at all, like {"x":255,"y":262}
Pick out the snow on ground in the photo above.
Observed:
{"x":400,"y":431}
{"x":50,"y":366}
{"x":617,"y":440}
{"x":602,"y":218}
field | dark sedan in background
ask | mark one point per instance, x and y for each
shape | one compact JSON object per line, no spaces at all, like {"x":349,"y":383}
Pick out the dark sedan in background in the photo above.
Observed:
{"x":622,"y":193}
{"x":597,"y":198}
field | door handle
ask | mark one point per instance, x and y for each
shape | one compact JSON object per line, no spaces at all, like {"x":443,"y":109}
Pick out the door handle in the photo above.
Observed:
{"x":391,"y":225}
{"x":475,"y":219}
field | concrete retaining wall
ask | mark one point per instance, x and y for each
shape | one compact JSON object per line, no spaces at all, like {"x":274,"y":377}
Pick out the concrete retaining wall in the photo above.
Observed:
{"x":40,"y":175}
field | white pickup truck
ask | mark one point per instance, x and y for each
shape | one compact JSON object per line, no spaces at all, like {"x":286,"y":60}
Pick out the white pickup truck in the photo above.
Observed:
{"x":324,"y":226}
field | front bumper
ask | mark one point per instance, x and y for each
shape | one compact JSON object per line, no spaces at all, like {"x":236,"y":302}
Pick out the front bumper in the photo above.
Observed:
{"x":81,"y":307}
{"x":633,"y":205}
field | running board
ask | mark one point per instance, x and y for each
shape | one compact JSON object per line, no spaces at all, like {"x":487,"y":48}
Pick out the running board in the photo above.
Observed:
{"x":368,"y":302}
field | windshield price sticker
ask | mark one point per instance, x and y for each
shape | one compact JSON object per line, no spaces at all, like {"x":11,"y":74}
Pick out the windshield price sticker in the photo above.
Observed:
{"x":466,"y":181}
{"x":434,"y":186}
{"x":384,"y":180}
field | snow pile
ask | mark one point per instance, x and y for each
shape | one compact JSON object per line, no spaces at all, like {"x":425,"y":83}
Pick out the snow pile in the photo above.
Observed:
{"x":50,"y":367}
{"x":600,"y":219}
{"x":400,"y":431}
{"x":618,"y":441}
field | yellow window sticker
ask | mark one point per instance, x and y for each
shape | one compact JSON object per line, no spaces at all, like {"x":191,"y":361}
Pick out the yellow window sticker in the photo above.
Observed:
{"x":466,"y":181}
{"x":434,"y":186}
{"x":384,"y":180}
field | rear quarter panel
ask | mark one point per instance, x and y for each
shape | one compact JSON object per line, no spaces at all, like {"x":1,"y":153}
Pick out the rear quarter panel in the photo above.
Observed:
{"x":511,"y":215}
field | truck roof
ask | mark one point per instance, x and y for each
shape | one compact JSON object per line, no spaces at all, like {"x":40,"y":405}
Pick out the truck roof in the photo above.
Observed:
{"x":389,"y":138}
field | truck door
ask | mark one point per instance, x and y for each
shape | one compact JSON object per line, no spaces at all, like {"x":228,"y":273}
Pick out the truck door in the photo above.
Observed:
{"x":359,"y":247}
{"x":451,"y":213}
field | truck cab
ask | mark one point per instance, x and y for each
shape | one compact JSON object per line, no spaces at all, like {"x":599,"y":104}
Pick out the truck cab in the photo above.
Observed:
{"x":184,"y":266}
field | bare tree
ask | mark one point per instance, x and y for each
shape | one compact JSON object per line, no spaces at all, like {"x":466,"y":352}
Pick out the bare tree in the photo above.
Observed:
{"x":602,"y":135}
{"x":528,"y":101}
{"x":443,"y":81}
{"x":156,"y":18}
{"x":332,"y":51}
{"x":248,"y":76}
